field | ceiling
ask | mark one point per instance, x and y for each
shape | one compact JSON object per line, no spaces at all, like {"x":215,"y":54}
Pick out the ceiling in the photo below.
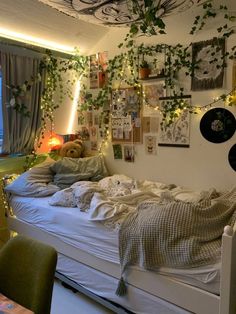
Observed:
{"x":81,"y":23}
{"x":37,"y":20}
{"x":112,"y":12}
{"x":70,"y":23}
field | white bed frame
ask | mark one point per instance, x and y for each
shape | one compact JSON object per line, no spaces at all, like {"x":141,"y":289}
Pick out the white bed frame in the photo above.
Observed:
{"x":184,"y":296}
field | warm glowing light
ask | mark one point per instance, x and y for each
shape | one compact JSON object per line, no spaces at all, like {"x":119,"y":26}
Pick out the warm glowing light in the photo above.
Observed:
{"x":74,"y":107}
{"x":55,"y":142}
{"x":178,"y":111}
{"x":35,"y":41}
{"x":198,"y":110}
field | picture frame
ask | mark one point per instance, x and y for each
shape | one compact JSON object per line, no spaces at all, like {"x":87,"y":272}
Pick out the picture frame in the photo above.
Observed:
{"x":126,"y":116}
{"x":234,"y":75}
{"x":98,"y":65}
{"x":129,"y":153}
{"x":178,"y":133}
{"x":209,"y":71}
{"x":152,"y":92}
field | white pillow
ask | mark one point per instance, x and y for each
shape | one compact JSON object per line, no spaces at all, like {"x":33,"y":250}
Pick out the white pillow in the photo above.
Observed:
{"x":34,"y":182}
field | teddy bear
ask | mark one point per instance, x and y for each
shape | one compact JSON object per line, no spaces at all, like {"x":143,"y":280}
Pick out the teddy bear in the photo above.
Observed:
{"x":72,"y":149}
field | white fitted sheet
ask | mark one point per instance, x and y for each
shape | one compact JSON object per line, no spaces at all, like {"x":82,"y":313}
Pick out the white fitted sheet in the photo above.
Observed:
{"x":73,"y":227}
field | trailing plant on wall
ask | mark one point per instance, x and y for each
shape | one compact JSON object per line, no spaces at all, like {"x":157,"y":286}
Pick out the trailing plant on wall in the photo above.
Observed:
{"x":54,"y":85}
{"x":122,"y":70}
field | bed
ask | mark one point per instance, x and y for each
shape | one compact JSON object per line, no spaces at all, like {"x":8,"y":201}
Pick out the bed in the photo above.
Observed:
{"x":89,"y":261}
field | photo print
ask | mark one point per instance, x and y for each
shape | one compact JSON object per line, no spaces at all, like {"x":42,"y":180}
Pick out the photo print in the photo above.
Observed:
{"x":129,"y":153}
{"x":117,"y":151}
{"x":150,"y":144}
{"x":152,"y":93}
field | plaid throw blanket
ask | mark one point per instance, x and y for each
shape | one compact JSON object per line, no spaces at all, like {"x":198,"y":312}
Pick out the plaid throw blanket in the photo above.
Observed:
{"x":174,"y":234}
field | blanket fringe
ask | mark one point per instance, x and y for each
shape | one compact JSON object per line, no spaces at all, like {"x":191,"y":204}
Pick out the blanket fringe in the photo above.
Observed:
{"x":121,"y":289}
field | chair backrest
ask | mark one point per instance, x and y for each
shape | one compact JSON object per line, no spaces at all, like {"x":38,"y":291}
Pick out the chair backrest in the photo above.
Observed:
{"x":27,"y":269}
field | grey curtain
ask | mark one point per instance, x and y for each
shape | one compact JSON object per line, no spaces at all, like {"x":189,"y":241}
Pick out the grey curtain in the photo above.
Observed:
{"x":19,"y":131}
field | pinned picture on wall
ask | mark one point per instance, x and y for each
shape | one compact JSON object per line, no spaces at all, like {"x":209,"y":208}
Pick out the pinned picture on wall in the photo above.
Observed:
{"x":234,"y":75}
{"x":117,"y":151}
{"x":132,"y":100}
{"x":208,"y":58}
{"x":93,"y":133}
{"x":84,"y":133}
{"x":98,"y":65}
{"x":118,"y":103}
{"x":150,"y":144}
{"x":152,"y":93}
{"x":94,"y":145}
{"x":129,"y":153}
{"x":177,"y":134}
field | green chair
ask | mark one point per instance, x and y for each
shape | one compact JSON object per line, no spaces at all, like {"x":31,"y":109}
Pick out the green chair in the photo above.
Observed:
{"x":27,"y":269}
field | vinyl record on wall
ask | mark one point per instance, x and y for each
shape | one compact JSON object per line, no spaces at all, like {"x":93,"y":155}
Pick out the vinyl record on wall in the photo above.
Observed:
{"x":232,"y":157}
{"x":218,"y":125}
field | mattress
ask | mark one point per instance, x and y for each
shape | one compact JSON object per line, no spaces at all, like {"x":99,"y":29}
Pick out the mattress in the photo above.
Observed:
{"x":73,"y":227}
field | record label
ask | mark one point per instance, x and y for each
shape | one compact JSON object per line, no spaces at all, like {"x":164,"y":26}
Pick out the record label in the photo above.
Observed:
{"x":218,"y":125}
{"x":232,"y":157}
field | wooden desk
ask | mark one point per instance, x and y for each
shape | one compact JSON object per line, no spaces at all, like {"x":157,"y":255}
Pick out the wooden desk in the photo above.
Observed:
{"x":8,"y":306}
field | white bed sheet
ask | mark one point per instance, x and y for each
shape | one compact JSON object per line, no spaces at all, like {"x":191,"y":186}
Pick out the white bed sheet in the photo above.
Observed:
{"x":73,"y":227}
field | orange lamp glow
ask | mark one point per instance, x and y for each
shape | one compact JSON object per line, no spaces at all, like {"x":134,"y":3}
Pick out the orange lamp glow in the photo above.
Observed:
{"x":55,"y":141}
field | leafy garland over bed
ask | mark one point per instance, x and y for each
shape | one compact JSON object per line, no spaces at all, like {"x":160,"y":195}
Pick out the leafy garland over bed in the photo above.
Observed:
{"x":177,"y":57}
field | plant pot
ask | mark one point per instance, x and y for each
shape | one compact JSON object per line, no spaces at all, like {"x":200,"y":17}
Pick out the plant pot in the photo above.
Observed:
{"x":144,"y":73}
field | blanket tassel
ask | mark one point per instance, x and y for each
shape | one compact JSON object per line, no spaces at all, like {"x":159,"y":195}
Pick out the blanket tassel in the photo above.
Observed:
{"x":121,"y":289}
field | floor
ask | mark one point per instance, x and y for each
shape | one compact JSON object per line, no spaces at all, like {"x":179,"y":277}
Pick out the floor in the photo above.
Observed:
{"x":65,"y":301}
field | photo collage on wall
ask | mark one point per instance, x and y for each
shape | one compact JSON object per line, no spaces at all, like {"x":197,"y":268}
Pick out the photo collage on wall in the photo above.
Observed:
{"x":90,"y":129}
{"x":98,"y":66}
{"x":125,"y":122}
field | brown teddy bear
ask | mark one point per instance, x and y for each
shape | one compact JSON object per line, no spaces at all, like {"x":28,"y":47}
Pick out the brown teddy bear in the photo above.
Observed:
{"x":72,"y":149}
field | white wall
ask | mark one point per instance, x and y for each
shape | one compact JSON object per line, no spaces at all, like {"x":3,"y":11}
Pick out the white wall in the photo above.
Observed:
{"x":204,"y":164}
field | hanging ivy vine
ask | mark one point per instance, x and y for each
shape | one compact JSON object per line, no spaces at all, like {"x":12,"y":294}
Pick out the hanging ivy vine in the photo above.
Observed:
{"x":123,"y":69}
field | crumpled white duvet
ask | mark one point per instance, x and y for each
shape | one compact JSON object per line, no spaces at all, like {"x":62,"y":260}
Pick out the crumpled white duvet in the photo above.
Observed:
{"x":96,"y":199}
{"x":111,"y":199}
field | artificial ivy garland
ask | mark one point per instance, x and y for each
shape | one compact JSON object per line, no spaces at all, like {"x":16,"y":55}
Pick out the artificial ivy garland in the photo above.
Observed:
{"x":123,"y":68}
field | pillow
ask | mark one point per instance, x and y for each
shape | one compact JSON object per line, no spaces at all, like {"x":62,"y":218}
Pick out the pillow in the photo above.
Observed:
{"x":70,"y":170}
{"x":42,"y":172}
{"x":34,"y":182}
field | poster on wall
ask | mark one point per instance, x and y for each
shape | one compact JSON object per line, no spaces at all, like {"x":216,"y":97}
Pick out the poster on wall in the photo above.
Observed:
{"x":208,"y":74}
{"x":150,"y":145}
{"x":117,"y":151}
{"x":129,"y":153}
{"x":152,"y":93}
{"x":98,"y":65}
{"x":177,"y":134}
{"x":125,"y":116}
{"x":234,"y":75}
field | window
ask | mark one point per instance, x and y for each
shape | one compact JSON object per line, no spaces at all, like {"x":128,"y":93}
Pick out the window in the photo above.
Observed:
{"x":1,"y":120}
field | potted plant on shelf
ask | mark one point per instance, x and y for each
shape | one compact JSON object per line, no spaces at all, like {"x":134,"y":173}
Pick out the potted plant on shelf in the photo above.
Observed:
{"x":144,"y":70}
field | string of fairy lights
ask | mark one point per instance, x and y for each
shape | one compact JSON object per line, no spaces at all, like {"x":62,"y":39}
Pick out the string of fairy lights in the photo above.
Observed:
{"x":229,"y":98}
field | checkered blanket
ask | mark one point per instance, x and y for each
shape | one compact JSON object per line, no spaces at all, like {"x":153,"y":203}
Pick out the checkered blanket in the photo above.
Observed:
{"x":175,"y":234}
